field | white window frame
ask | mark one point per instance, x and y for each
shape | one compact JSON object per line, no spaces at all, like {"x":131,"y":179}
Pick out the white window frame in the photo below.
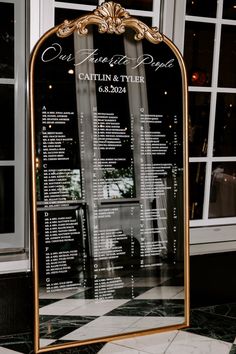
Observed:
{"x":46,"y":10}
{"x":11,"y":244}
{"x":215,"y":234}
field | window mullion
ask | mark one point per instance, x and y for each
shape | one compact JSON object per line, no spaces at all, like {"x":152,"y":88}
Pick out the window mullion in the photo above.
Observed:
{"x":20,"y":127}
{"x":179,"y":25}
{"x":46,"y":15}
{"x":215,"y":68}
{"x":34,"y":22}
{"x":156,"y":13}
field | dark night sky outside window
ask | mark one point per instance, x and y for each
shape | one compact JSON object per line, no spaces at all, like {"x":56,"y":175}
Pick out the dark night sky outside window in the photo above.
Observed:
{"x":83,"y":2}
{"x":67,"y":14}
{"x":227,"y":69}
{"x":137,"y":4}
{"x":229,"y":10}
{"x":7,"y":122}
{"x":7,"y":213}
{"x":198,"y":52}
{"x":6,"y":40}
{"x":201,"y":8}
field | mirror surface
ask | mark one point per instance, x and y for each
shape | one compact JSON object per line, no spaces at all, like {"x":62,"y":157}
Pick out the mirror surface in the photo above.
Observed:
{"x":108,"y":115}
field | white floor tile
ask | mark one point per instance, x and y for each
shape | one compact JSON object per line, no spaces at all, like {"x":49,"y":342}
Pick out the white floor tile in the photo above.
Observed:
{"x":189,"y":343}
{"x":161,"y":292}
{"x":179,"y":296}
{"x":149,"y":282}
{"x":63,"y":306}
{"x":59,"y":294}
{"x":97,"y":307}
{"x":153,"y":344}
{"x":8,"y":351}
{"x":156,"y":322}
{"x":114,"y":321}
{"x":91,"y":332}
{"x":116,"y":349}
{"x":45,"y":342}
{"x":105,"y":326}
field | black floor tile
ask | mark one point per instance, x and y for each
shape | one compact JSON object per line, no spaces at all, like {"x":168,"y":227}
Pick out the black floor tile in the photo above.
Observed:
{"x":45,"y":302}
{"x":60,"y":326}
{"x":21,"y":343}
{"x":228,"y":310}
{"x":83,"y":349}
{"x":149,"y":308}
{"x":169,"y":308}
{"x":176,"y":281}
{"x":213,"y":326}
{"x":46,"y":318}
{"x":233,"y":349}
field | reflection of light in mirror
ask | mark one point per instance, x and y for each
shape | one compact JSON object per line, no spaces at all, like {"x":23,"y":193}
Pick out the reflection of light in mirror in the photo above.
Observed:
{"x":49,"y":328}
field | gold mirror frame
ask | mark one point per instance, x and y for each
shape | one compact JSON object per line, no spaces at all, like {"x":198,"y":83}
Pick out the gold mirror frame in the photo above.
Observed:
{"x":110,"y":18}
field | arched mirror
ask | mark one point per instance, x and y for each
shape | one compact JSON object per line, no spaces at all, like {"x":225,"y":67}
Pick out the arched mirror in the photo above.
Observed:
{"x":108,"y":101}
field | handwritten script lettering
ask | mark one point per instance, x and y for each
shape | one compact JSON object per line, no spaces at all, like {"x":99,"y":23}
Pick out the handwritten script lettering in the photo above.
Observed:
{"x":55,"y":52}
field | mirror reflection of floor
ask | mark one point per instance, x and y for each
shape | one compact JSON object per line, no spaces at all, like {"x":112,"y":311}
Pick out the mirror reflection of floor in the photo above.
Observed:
{"x":75,"y":315}
{"x":212,"y":331}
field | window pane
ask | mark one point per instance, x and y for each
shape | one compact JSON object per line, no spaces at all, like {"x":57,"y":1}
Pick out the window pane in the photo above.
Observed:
{"x":84,"y":2}
{"x":196,"y":184}
{"x":146,"y":20}
{"x":7,"y":122}
{"x":225,"y":125}
{"x":198,"y":52}
{"x":67,"y":14}
{"x":6,"y":40}
{"x":223,"y":190}
{"x":199,"y":108}
{"x":229,"y":9}
{"x":7,"y":199}
{"x":136,"y":4}
{"x":201,"y":8}
{"x":227,"y":69}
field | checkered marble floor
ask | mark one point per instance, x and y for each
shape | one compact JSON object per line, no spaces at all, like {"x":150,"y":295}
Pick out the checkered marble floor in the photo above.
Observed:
{"x":174,"y":342}
{"x":75,"y":315}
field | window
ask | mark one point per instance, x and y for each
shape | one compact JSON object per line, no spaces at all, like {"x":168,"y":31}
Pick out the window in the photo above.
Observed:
{"x":12,"y":132}
{"x":54,"y":12}
{"x":209,"y":52}
{"x":204,"y":32}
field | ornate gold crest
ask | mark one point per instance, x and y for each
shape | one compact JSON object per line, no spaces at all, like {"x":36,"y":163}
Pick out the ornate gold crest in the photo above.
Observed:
{"x":110,"y":17}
